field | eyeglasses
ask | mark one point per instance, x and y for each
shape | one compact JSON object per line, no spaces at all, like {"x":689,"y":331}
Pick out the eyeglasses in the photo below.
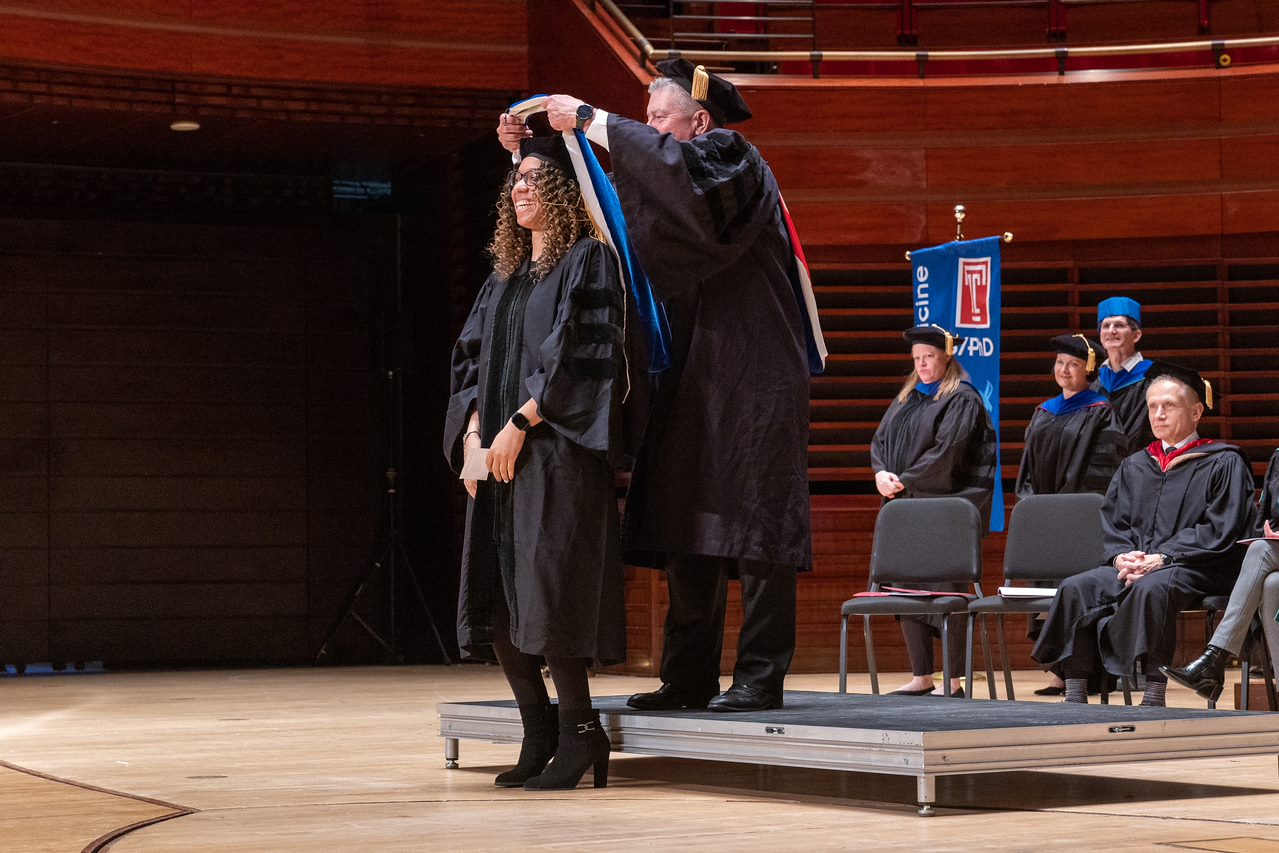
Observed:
{"x":530,"y":178}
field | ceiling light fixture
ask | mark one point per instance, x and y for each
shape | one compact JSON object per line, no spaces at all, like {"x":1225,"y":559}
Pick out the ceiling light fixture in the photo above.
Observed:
{"x":184,"y":125}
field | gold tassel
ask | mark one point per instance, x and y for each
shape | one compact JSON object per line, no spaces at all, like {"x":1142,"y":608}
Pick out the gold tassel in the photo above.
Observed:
{"x":950,"y":339}
{"x":1092,"y":354}
{"x":1207,"y":392}
{"x":701,"y":83}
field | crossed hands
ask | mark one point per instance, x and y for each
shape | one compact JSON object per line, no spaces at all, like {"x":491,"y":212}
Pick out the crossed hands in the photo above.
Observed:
{"x":1135,"y":565}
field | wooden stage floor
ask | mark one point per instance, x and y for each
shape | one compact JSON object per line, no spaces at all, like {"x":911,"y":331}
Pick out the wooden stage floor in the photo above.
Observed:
{"x":350,"y":759}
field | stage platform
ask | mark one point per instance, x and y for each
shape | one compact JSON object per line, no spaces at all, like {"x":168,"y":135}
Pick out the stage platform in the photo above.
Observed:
{"x":920,"y":736}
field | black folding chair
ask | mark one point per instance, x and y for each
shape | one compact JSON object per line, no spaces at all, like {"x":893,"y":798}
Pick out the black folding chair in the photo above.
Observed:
{"x":1050,"y":538}
{"x":919,"y":541}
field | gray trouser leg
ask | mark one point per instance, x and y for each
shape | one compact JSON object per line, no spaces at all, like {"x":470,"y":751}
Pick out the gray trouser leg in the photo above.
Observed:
{"x":1269,"y":610}
{"x":1261,"y":561}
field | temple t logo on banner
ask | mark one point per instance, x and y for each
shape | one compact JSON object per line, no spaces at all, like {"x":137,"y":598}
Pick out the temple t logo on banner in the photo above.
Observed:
{"x":972,"y":302}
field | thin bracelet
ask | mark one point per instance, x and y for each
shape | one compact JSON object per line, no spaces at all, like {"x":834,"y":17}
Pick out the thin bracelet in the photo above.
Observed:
{"x":469,"y":433}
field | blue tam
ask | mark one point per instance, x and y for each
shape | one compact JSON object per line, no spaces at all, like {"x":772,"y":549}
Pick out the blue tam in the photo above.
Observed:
{"x":1118,"y":306}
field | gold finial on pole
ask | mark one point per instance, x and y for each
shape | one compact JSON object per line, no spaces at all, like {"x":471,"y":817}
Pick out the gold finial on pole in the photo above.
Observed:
{"x":961,"y":213}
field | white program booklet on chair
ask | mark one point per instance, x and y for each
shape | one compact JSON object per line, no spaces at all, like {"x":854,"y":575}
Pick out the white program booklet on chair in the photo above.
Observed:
{"x":1027,"y":591}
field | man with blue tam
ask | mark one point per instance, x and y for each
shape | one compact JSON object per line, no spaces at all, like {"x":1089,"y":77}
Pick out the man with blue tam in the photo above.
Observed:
{"x":1126,"y":374}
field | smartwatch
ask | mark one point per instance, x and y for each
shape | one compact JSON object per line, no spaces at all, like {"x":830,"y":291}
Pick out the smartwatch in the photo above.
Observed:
{"x":520,"y":422}
{"x":585,"y":113}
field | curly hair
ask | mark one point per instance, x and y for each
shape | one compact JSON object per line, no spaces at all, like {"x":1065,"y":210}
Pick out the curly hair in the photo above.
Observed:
{"x":564,"y":220}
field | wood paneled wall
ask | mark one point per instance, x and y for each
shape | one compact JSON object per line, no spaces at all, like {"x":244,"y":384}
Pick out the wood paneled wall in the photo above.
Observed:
{"x":468,"y":44}
{"x":1056,"y":160}
{"x":186,"y":467}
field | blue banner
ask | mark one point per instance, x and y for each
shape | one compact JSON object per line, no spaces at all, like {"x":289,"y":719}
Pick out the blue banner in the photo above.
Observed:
{"x":957,"y":287}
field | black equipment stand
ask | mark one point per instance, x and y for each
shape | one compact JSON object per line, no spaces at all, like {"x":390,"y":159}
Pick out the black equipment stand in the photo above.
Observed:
{"x":393,"y":559}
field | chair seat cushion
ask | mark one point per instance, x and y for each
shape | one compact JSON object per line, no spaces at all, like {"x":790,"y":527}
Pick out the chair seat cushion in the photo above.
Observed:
{"x":904,"y":605}
{"x":999,"y":604}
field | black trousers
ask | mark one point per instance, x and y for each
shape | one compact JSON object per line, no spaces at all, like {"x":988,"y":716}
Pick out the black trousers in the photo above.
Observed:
{"x":694,"y":631}
{"x":920,"y":631}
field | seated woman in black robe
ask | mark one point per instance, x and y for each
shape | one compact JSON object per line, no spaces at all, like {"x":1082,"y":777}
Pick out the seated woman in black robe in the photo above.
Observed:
{"x":1073,"y":441}
{"x":936,"y":440}
{"x":538,"y":379}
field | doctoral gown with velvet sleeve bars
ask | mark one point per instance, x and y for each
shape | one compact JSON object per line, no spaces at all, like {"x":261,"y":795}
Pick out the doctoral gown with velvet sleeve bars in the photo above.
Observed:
{"x":1070,"y":450}
{"x":1194,"y":513}
{"x":550,"y":540}
{"x":723,"y":470}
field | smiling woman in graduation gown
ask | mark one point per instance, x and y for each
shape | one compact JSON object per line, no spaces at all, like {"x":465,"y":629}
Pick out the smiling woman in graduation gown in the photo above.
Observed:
{"x":935,"y":440}
{"x":1073,"y":442}
{"x":539,"y":361}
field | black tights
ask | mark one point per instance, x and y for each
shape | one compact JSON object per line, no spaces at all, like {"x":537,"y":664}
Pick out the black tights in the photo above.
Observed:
{"x":524,"y":671}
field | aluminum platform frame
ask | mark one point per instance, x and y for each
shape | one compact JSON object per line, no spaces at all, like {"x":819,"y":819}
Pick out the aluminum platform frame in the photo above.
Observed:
{"x":924,"y":737}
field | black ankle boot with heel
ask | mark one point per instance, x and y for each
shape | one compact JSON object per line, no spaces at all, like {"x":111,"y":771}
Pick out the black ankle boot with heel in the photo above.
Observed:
{"x":1206,"y":674}
{"x":583,"y":745}
{"x":541,"y":737}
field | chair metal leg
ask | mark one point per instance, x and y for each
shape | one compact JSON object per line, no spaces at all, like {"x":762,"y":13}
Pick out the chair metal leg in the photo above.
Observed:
{"x":987,"y":657}
{"x":870,"y":656}
{"x":1245,"y":670}
{"x":945,"y":655}
{"x":843,"y":654}
{"x":968,"y":658}
{"x":1004,"y":657}
{"x":1126,"y":683}
{"x":1267,"y":672}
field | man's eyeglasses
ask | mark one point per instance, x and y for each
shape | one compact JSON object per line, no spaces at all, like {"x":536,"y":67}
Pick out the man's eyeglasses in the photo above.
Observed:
{"x":530,"y":178}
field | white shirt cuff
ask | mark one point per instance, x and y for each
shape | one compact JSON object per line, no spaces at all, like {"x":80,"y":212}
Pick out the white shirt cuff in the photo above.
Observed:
{"x":598,"y":131}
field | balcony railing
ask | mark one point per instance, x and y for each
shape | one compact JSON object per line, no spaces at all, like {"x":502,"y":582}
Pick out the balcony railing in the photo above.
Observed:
{"x":758,"y":37}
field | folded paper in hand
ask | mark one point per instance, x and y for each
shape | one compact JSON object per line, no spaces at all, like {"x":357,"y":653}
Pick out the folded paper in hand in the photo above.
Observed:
{"x":476,"y":465}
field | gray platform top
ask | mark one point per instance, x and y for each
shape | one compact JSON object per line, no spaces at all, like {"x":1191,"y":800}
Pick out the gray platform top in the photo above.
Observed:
{"x":922,"y":713}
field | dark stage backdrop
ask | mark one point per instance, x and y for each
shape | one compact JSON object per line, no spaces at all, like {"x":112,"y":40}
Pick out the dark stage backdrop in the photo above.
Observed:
{"x":189,"y":433}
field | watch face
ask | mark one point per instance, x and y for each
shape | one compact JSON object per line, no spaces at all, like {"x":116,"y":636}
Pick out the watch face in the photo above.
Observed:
{"x":585,"y":112}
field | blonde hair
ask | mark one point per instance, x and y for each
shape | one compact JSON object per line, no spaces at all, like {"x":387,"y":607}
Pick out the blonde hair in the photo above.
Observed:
{"x":564,"y":220}
{"x":950,"y":380}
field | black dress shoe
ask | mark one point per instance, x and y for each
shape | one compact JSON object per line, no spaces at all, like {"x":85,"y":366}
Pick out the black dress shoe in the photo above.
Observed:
{"x":904,"y":692}
{"x":740,"y":697}
{"x":668,"y":697}
{"x":1051,"y":690}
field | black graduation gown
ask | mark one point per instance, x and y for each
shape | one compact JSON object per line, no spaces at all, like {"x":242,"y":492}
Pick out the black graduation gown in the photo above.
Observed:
{"x":1130,"y":410}
{"x":723,"y":470}
{"x":1194,"y":513}
{"x":1269,"y":504}
{"x":1071,"y":453}
{"x":564,"y":586}
{"x":939,"y":447}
